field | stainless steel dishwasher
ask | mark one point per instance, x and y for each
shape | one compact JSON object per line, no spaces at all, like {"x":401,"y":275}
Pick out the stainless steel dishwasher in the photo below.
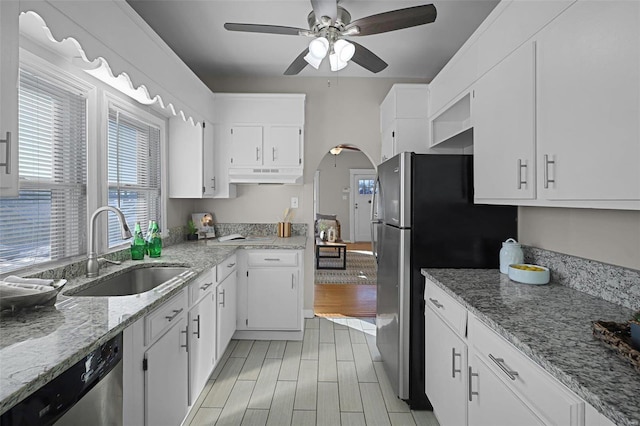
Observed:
{"x":89,"y":392}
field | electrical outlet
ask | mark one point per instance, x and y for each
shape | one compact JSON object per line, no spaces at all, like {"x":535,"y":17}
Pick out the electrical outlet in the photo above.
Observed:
{"x":294,"y":202}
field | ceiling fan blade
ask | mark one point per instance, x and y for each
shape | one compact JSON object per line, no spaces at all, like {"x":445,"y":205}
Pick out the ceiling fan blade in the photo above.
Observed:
{"x":268,"y":29}
{"x":325,"y":8}
{"x":367,"y":59}
{"x":394,"y":20}
{"x":298,"y":64}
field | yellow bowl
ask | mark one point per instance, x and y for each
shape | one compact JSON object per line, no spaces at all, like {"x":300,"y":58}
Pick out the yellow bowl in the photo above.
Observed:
{"x":529,"y":274}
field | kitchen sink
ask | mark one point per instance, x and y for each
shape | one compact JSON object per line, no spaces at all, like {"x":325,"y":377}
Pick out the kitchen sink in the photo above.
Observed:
{"x":132,"y":281}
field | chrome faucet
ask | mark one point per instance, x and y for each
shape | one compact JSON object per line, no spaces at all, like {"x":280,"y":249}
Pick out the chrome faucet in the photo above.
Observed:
{"x":93,"y":264}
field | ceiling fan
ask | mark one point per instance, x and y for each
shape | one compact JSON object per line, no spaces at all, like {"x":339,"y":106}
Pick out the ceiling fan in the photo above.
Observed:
{"x":336,"y":150}
{"x":330,"y":23}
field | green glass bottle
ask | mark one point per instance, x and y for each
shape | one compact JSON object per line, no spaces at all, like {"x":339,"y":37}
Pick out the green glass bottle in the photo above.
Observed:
{"x":154,"y":240}
{"x":138,"y":245}
{"x":147,"y":238}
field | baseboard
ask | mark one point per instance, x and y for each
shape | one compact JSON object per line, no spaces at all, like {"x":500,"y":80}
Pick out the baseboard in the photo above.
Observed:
{"x":308,"y":313}
{"x":268,"y":335}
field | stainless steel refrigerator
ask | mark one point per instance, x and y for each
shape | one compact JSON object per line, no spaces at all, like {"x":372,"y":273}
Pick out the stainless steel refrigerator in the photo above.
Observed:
{"x":423,"y":216}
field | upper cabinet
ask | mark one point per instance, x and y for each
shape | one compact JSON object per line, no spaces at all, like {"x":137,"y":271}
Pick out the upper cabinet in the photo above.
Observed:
{"x":265,"y":136}
{"x":186,"y":159}
{"x":556,"y":122}
{"x":9,"y":11}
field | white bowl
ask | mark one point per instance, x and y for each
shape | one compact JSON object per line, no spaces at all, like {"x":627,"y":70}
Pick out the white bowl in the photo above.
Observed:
{"x":528,"y":276}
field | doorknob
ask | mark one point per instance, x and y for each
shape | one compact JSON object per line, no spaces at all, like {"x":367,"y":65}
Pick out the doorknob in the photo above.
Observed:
{"x":369,"y":201}
{"x":356,"y":205}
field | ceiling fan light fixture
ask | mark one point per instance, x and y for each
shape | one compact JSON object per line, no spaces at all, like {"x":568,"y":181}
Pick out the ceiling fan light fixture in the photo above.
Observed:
{"x":319,"y":47}
{"x":336,"y":63}
{"x":335,"y":150}
{"x":344,"y":50}
{"x":313,"y":60}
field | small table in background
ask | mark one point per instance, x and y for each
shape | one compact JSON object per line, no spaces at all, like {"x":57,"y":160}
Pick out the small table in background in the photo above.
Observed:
{"x":338,"y":250}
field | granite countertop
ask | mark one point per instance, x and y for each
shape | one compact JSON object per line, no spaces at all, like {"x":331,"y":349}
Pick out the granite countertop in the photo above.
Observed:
{"x":551,"y":324}
{"x":37,"y":345}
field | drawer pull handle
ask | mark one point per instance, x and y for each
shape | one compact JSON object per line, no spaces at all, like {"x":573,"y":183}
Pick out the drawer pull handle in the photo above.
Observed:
{"x":197,"y":321}
{"x":547,"y":181}
{"x":7,"y":161}
{"x":471,"y":376}
{"x":500,"y":362}
{"x":186,"y":338}
{"x":222,"y":294}
{"x":453,"y":362}
{"x":206,"y":286}
{"x":436,"y":303}
{"x":520,"y":167}
{"x":293,"y":278}
{"x":231,"y":265}
{"x":176,"y":312}
{"x":272,"y":259}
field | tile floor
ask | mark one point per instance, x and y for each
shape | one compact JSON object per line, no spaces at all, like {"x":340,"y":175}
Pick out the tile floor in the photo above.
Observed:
{"x":333,"y":377}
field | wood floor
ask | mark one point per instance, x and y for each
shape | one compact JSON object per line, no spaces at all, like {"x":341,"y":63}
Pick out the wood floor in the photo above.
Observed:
{"x":333,"y":377}
{"x":346,"y":300}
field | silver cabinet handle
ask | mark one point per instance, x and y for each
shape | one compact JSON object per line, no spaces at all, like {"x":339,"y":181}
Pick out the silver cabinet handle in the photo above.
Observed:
{"x":197,"y":321}
{"x":453,"y":362}
{"x":500,"y":362}
{"x":396,"y":170}
{"x":214,"y":183}
{"x":272,"y":259}
{"x":257,"y":153}
{"x":206,"y":286}
{"x":231,"y":265}
{"x":273,"y":153}
{"x":547,"y":181}
{"x":222,"y":294}
{"x":7,"y":161}
{"x":471,"y":376}
{"x":293,"y":278}
{"x":176,"y":312}
{"x":521,"y":166}
{"x":436,"y":303}
{"x":186,"y":338}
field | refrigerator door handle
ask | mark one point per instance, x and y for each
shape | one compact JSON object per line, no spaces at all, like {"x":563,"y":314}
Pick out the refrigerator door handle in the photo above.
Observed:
{"x":374,"y":219}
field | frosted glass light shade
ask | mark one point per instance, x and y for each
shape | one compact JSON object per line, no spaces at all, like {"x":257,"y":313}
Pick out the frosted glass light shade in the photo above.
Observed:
{"x":344,"y":50}
{"x":319,"y":47}
{"x":312,"y":60}
{"x":336,"y":63}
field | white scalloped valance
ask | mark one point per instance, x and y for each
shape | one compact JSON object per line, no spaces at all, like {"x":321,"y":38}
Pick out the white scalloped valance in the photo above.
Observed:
{"x":110,"y":41}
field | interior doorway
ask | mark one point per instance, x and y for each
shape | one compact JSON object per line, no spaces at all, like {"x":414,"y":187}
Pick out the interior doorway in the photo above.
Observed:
{"x":361,"y":197}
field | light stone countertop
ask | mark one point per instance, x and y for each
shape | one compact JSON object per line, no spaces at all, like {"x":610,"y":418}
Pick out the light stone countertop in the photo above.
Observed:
{"x":37,"y":345}
{"x":551,"y":324}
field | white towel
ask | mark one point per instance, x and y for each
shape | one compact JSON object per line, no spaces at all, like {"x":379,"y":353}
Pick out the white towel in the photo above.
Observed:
{"x":36,"y":281}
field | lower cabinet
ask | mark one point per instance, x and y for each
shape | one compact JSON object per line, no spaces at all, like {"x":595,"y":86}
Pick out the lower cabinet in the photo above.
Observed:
{"x":475,"y":377}
{"x":226,"y":312}
{"x":202,"y":343}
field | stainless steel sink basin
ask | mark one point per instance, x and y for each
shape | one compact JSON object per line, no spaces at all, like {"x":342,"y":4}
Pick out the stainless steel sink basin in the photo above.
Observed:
{"x":133,"y":281}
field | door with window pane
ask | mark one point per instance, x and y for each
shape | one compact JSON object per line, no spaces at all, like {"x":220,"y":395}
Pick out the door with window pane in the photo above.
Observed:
{"x":363,"y":185}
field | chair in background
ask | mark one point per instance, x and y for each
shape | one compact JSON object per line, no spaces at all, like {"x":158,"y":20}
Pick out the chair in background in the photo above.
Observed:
{"x":325,"y":221}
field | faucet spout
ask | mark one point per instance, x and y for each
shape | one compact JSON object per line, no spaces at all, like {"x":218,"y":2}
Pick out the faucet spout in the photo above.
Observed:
{"x":93,"y":266}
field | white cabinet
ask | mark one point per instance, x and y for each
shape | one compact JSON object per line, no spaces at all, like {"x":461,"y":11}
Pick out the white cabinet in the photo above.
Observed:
{"x":186,"y":162}
{"x":504,"y":129}
{"x":9,"y":11}
{"x":403,"y":120}
{"x":166,"y":367}
{"x":446,"y":371}
{"x":226,"y":294}
{"x":588,"y":103}
{"x":202,"y":333}
{"x":208,"y":161}
{"x":265,"y":133}
{"x":222,"y":153}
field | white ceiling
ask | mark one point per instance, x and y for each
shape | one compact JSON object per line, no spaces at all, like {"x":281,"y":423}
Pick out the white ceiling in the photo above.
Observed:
{"x":194,"y":30}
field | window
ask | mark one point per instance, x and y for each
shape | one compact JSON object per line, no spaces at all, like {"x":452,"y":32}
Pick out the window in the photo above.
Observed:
{"x":134,"y":171}
{"x":47,"y":221}
{"x":365,"y":186}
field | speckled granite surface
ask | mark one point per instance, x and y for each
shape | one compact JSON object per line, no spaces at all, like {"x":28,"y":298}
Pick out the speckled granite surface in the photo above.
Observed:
{"x":257,"y":229}
{"x":552,"y":325}
{"x":38,"y":345}
{"x":613,"y":283}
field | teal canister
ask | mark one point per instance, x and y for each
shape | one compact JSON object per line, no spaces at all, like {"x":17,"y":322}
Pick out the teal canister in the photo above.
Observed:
{"x":510,"y":253}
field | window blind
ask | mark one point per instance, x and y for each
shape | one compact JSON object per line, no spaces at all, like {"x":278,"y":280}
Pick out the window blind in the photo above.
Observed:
{"x":134,"y":172}
{"x":47,"y":221}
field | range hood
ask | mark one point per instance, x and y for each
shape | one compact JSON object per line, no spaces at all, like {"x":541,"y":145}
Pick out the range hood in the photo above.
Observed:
{"x":265,"y":175}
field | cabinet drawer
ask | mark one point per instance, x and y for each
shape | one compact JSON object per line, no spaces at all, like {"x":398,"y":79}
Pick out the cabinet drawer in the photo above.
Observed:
{"x":161,"y":318}
{"x":452,"y":312}
{"x":226,"y":267}
{"x":543,"y":393}
{"x":272,"y":258}
{"x":202,"y":285}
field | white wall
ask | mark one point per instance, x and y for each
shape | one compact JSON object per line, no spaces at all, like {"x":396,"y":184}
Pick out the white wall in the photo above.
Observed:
{"x":609,"y":236}
{"x":334,"y":177}
{"x":338,"y":111}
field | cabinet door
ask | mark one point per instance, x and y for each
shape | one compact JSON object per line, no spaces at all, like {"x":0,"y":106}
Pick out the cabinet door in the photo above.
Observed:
{"x":446,"y":371}
{"x":388,"y":143}
{"x":185,"y":159}
{"x":246,"y":145}
{"x":273,"y":299}
{"x":504,"y":129}
{"x":491,"y":402}
{"x":226,"y":313}
{"x":589,"y":103}
{"x":222,"y":156}
{"x":283,"y":147}
{"x":208,"y":161}
{"x":166,"y":378}
{"x":202,"y":339}
{"x":9,"y":11}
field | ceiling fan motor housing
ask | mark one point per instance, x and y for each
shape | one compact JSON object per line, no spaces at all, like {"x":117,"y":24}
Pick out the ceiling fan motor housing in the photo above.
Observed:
{"x":316,"y":25}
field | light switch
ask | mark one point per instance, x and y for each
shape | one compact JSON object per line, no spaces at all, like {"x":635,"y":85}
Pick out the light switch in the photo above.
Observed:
{"x":294,"y":202}
{"x":344,"y":197}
